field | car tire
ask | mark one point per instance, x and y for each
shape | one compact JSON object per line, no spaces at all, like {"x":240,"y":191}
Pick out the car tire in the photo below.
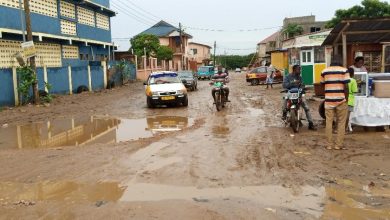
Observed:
{"x":82,"y":89}
{"x":149,"y":102}
{"x":185,"y":102}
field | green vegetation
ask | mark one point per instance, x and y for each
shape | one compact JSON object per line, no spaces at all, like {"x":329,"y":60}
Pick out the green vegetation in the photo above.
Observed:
{"x":149,"y":42}
{"x":293,"y":30}
{"x":234,"y":61}
{"x":367,"y":9}
{"x":26,"y":78}
{"x":164,"y":53}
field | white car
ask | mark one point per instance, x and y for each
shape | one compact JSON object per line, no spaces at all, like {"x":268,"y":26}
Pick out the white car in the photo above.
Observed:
{"x":238,"y":70}
{"x":164,"y":88}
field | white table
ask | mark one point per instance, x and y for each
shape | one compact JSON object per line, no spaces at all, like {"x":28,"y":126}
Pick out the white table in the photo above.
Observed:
{"x":371,"y":111}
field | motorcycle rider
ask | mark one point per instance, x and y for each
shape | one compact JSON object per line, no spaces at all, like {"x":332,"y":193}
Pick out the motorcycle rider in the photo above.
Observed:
{"x":220,"y":76}
{"x":294,"y":80}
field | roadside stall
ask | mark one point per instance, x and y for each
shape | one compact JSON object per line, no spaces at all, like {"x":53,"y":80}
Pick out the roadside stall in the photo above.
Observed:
{"x":307,"y":51}
{"x":370,"y":39}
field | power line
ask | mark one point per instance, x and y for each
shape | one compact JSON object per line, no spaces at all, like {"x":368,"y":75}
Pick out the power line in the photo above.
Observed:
{"x":130,"y":14}
{"x":143,"y":10}
{"x":135,"y":12}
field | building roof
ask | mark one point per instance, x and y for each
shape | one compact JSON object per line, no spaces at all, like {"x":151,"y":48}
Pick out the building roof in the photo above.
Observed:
{"x":374,"y":30}
{"x":163,"y":29}
{"x":273,"y":37}
{"x":204,"y":45}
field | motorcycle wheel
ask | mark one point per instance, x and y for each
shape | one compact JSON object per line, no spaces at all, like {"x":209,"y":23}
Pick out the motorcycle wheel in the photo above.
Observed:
{"x":294,"y":120}
{"x":218,"y":101}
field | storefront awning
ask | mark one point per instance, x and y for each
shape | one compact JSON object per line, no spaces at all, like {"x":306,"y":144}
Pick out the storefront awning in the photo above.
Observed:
{"x":308,"y":40}
{"x":360,"y":31}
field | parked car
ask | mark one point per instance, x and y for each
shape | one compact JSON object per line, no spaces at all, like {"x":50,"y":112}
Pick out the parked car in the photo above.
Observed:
{"x":191,"y":80}
{"x":205,"y":72}
{"x":259,"y":75}
{"x":166,"y":87}
{"x":238,"y":70}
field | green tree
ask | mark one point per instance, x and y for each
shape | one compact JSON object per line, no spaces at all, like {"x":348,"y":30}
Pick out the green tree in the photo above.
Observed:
{"x":234,"y":61}
{"x":292,"y":30}
{"x":164,"y":53}
{"x":367,"y":9}
{"x":149,"y":42}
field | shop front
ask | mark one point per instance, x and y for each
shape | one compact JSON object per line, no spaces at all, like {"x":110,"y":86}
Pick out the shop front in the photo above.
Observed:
{"x":306,"y":51}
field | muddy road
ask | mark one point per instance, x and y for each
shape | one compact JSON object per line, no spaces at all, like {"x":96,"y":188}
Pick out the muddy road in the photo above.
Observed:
{"x":106,"y":155}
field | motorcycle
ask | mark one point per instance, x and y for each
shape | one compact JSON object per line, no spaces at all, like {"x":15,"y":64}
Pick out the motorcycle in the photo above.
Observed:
{"x":220,"y":96}
{"x":294,"y":113}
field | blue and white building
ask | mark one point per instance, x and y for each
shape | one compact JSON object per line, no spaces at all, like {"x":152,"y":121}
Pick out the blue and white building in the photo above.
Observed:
{"x":72,"y":38}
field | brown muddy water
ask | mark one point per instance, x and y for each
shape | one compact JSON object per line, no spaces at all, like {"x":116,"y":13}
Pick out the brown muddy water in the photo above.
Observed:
{"x":87,"y":130}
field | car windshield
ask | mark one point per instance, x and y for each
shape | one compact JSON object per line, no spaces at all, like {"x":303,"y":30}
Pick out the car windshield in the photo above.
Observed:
{"x":204,"y":69}
{"x":185,"y":74}
{"x":164,"y":79}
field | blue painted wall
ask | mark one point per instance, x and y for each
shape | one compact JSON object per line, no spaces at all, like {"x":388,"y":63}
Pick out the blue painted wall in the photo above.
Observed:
{"x":88,"y":32}
{"x":10,"y":18}
{"x":97,"y":77}
{"x":7,"y":95}
{"x":79,"y":77}
{"x":58,"y":79}
{"x":41,"y":81}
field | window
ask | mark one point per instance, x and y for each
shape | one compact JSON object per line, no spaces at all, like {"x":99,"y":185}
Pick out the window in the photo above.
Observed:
{"x":70,"y":52}
{"x":319,"y":55}
{"x":372,"y":61}
{"x":86,"y":16}
{"x":307,"y":56}
{"x":68,"y":10}
{"x":102,"y":21}
{"x":68,"y":27}
{"x":315,"y":29}
{"x":195,"y":51}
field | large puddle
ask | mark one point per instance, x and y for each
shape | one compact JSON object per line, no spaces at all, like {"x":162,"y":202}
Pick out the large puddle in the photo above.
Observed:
{"x":321,"y":202}
{"x":87,"y":130}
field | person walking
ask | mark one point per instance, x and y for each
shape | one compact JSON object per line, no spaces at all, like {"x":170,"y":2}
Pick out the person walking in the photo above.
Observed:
{"x":335,"y":78}
{"x":270,"y":76}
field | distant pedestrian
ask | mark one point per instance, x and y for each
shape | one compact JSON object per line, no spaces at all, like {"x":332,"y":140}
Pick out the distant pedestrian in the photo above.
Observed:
{"x":270,"y":76}
{"x":352,"y":89}
{"x":358,"y":65}
{"x":335,"y":79}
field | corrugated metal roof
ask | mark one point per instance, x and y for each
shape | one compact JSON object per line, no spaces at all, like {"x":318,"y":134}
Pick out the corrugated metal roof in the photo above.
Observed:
{"x":162,"y":29}
{"x":361,"y":31}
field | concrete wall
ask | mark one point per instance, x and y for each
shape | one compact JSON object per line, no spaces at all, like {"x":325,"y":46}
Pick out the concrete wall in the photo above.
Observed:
{"x":63,"y":80}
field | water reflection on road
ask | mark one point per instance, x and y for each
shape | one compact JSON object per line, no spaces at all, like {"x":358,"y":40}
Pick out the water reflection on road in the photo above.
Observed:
{"x":88,"y":130}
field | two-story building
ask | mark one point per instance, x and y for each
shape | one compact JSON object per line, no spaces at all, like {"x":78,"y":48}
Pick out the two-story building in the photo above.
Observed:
{"x":172,"y":37}
{"x":200,"y":53}
{"x":68,"y":34}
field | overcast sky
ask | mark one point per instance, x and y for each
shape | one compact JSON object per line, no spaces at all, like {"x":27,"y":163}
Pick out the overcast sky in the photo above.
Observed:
{"x":135,"y":16}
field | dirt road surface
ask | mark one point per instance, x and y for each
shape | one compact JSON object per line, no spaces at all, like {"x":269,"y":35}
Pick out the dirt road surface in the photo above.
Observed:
{"x":106,"y":155}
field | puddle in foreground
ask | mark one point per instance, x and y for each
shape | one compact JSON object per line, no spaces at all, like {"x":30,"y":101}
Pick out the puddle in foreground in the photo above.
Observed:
{"x":328,"y":203}
{"x":87,"y":130}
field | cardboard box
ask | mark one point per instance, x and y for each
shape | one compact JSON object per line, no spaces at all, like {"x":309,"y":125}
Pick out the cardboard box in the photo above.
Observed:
{"x":382,"y":88}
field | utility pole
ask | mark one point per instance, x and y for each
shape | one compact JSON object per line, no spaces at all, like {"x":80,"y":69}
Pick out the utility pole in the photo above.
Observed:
{"x":32,"y":59}
{"x":215,"y":50}
{"x":181,"y":46}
